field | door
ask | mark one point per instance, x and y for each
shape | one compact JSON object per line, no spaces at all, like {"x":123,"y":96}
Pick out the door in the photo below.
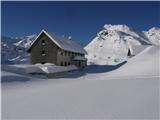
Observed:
{"x":79,"y":63}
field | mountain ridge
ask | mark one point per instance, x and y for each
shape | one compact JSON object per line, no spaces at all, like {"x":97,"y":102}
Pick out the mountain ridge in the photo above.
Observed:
{"x":14,"y":50}
{"x":113,"y":42}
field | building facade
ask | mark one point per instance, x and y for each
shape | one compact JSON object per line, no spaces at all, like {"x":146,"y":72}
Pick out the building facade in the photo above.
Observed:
{"x":50,"y":48}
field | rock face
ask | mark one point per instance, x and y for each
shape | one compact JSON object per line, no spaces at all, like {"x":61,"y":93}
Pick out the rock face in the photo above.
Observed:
{"x":114,"y":43}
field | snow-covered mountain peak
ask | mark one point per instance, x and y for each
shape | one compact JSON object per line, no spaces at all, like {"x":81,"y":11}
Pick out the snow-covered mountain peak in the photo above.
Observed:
{"x":112,"y":44}
{"x":14,"y":50}
{"x":153,"y":35}
{"x":123,"y":28}
{"x":154,"y":29}
{"x":25,"y":42}
{"x":24,"y":37}
{"x":122,"y":32}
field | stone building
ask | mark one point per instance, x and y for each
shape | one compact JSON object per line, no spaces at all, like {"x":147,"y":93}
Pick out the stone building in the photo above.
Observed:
{"x":50,"y":48}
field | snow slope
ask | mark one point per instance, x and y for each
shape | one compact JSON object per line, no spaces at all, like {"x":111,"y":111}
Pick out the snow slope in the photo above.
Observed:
{"x":144,"y":64}
{"x":112,"y":43}
{"x":129,"y":92}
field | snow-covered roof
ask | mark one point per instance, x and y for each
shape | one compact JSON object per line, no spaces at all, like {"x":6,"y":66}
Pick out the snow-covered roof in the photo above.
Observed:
{"x":63,"y":43}
{"x":79,"y":58}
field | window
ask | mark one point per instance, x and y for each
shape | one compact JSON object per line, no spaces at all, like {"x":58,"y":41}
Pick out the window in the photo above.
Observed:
{"x":65,"y":53}
{"x":65,"y":64}
{"x":43,"y":53}
{"x":43,"y":42}
{"x":79,"y":64}
{"x":129,"y":52}
{"x":61,"y":63}
{"x":62,"y":53}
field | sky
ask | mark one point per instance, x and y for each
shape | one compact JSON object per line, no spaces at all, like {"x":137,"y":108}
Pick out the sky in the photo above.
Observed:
{"x":79,"y":19}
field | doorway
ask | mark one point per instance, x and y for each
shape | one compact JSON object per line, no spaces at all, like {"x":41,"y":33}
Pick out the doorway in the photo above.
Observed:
{"x":129,"y":53}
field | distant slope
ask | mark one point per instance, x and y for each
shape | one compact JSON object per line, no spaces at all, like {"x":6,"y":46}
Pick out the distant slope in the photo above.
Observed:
{"x":14,"y":50}
{"x":25,"y":42}
{"x":153,"y":35}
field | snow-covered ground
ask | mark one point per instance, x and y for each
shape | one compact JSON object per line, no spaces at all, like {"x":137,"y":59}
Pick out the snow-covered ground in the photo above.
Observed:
{"x":126,"y":91}
{"x":46,"y":68}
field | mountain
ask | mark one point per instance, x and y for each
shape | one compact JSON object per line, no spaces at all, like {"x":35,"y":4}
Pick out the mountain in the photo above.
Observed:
{"x":14,"y":50}
{"x":114,"y":42}
{"x":110,"y":46}
{"x":153,"y":35}
{"x":25,"y":42}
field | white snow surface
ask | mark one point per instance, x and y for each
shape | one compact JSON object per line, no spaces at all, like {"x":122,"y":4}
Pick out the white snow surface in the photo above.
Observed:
{"x":145,"y":63}
{"x":38,"y":68}
{"x":56,"y":69}
{"x":127,"y":92}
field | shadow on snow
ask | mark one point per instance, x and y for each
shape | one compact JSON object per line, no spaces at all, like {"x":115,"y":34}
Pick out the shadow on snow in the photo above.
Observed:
{"x":91,"y":69}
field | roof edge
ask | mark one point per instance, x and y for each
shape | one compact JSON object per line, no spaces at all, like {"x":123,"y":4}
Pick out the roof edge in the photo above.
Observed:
{"x":46,"y":33}
{"x":51,"y":38}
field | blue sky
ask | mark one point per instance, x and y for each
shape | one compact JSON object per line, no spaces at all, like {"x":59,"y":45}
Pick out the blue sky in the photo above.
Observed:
{"x":81,"y":20}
